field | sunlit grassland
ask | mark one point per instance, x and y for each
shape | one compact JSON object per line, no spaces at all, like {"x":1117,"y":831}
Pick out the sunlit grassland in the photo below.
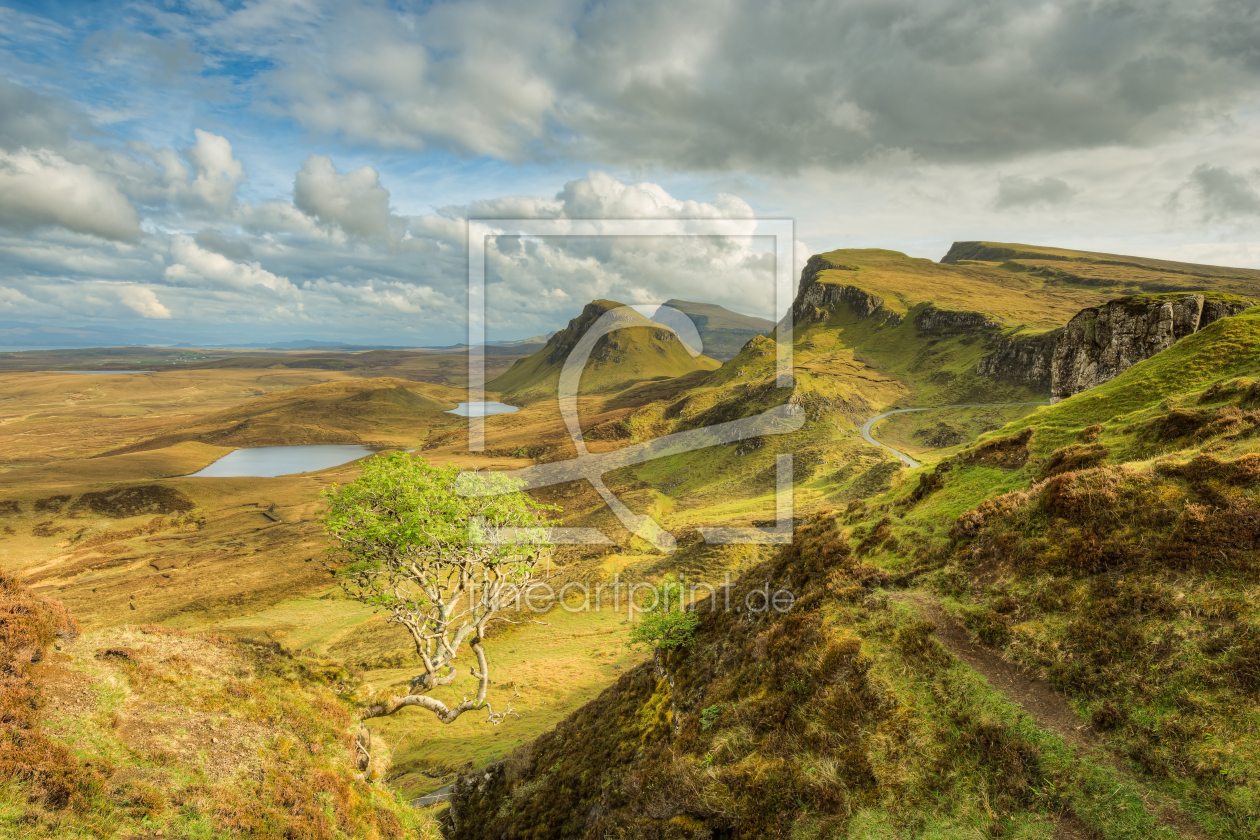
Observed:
{"x":555,"y":667}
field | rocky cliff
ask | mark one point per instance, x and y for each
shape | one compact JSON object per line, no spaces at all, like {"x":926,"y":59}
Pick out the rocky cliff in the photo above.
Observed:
{"x":1022,"y":361}
{"x":933,"y":320}
{"x":815,"y":300}
{"x":1102,"y":342}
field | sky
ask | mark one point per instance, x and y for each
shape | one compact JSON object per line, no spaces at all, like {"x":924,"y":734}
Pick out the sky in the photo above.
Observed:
{"x":297,"y":169}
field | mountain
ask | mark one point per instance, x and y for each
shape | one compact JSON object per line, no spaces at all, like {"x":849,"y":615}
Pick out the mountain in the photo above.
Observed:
{"x":722,"y":331}
{"x":638,"y":351}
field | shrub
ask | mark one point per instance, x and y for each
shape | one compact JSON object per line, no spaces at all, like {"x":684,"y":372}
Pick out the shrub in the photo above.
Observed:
{"x":668,"y":623}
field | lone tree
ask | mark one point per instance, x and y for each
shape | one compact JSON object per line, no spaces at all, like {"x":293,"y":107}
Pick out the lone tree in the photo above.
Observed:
{"x":441,"y":563}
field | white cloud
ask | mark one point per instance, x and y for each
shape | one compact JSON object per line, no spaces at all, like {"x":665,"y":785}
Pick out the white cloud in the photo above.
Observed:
{"x":143,"y":301}
{"x":202,"y":179}
{"x":355,"y":202}
{"x":385,"y":298}
{"x":194,"y":265}
{"x":43,"y":188}
{"x":217,"y":173}
{"x":545,"y":276}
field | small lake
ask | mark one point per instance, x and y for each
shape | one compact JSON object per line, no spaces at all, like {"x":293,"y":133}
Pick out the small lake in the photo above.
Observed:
{"x":482,"y":409}
{"x":271,"y":461}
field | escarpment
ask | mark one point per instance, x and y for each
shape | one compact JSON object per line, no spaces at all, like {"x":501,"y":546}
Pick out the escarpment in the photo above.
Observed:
{"x":933,"y":320}
{"x":1022,"y":361}
{"x":815,"y":300}
{"x":1102,"y":342}
{"x":562,"y":343}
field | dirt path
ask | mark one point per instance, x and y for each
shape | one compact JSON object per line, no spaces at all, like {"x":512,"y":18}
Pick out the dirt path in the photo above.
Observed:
{"x":1044,"y":705}
{"x":1049,"y":710}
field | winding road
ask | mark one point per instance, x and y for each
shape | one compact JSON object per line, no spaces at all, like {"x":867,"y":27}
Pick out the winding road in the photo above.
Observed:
{"x":437,"y":797}
{"x":906,"y":459}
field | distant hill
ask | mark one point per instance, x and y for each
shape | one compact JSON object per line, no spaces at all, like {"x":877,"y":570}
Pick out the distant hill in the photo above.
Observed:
{"x":640,"y":351}
{"x":723,"y":332}
{"x":1117,"y":274}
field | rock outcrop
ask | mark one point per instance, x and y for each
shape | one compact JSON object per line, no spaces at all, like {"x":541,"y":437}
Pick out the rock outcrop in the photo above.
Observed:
{"x":933,"y":320}
{"x":815,"y":301}
{"x":1102,"y":342}
{"x":1022,"y":361}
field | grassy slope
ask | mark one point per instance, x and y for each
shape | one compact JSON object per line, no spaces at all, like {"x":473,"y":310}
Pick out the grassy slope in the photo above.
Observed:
{"x":1181,"y":740}
{"x":840,"y":718}
{"x":1129,"y":580}
{"x":1110,"y":273}
{"x":553,"y":668}
{"x":152,"y":732}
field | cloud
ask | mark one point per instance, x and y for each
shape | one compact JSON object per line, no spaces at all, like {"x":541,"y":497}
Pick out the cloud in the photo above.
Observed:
{"x":160,"y":60}
{"x":201,"y":179}
{"x":1219,"y":193}
{"x":355,"y":202}
{"x":43,"y":188}
{"x":31,"y":120}
{"x":739,"y":85}
{"x":217,"y":172}
{"x":1017,"y":192}
{"x":234,"y":249}
{"x":541,"y":278}
{"x":143,"y":301}
{"x":193,"y":265}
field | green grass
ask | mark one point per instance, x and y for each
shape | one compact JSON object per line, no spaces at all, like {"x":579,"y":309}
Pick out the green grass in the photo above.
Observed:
{"x":555,"y":668}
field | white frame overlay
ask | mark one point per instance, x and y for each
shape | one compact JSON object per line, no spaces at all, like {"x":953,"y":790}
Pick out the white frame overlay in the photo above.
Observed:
{"x":776,"y":421}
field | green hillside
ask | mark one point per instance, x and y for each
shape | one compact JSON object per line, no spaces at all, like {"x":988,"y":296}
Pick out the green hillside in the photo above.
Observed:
{"x":1047,"y":632}
{"x":1117,"y":274}
{"x":640,"y":351}
{"x":723,"y":332}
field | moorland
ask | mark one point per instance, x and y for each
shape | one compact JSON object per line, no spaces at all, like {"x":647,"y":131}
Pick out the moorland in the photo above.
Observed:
{"x":1047,"y":629}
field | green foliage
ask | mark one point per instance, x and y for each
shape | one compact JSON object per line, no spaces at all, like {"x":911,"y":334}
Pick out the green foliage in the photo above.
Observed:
{"x":709,"y":716}
{"x":666,"y":624}
{"x":442,"y":552}
{"x":403,"y":508}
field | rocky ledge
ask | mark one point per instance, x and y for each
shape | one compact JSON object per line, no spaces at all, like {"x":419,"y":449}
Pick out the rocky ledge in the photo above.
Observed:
{"x":1022,"y":360}
{"x":815,"y":301}
{"x":933,"y":320}
{"x":1102,"y":342}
